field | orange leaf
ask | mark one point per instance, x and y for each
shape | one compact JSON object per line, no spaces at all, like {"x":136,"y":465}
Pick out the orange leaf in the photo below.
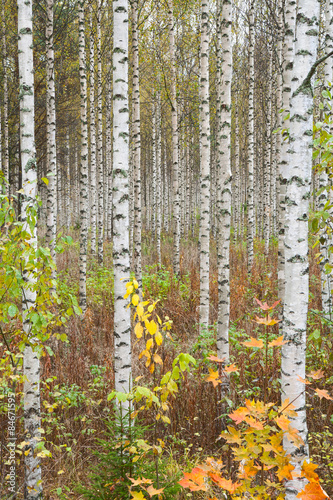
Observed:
{"x":255,"y":424}
{"x":231,"y":368}
{"x":285,"y":472}
{"x":312,"y":491}
{"x":216,"y":359}
{"x":277,"y":342}
{"x":322,"y":393}
{"x":283,"y":422}
{"x":268,"y":321}
{"x":239,"y":415}
{"x":254,"y":343}
{"x":194,"y":480}
{"x":213,"y":377}
{"x":265,"y":306}
{"x":225,"y":484}
{"x":316,"y":374}
{"x":153,"y":491}
{"x":303,"y":380}
{"x":308,"y":470}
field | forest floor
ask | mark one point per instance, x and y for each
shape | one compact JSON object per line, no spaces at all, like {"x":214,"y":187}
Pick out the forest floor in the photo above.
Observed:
{"x":77,"y":379}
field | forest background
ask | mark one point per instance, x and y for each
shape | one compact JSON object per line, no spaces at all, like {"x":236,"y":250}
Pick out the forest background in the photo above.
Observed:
{"x":162,"y":164}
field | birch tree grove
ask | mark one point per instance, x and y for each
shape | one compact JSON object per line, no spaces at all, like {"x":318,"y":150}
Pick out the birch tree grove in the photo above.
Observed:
{"x":31,"y":364}
{"x":298,"y":177}
{"x":166,"y":217}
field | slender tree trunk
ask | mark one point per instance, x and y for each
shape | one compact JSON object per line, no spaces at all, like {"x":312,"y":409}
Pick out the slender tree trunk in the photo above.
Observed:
{"x":224,"y":185}
{"x":137,"y":144}
{"x":51,"y":232}
{"x":31,"y":366}
{"x":100,"y":136}
{"x":251,"y":163}
{"x":288,"y":56}
{"x":174,"y":123}
{"x":121,"y":257}
{"x":84,"y":160}
{"x":298,"y":184}
{"x":92,"y":100}
{"x":204,"y":167}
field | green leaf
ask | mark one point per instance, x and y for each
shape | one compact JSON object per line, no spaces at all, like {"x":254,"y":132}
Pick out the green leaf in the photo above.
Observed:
{"x":12,"y":310}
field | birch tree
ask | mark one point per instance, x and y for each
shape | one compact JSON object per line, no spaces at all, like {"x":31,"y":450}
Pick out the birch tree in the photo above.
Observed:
{"x":298,"y":177}
{"x":121,"y":256}
{"x":51,"y":233}
{"x":31,"y":366}
{"x":174,"y":124}
{"x":224,"y":185}
{"x":137,"y":144}
{"x":92,"y":100}
{"x":250,"y":194}
{"x":204,"y":166}
{"x":84,"y":159}
{"x":100,"y":137}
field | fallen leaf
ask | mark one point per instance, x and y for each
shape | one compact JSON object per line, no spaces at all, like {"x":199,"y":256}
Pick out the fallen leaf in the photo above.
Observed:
{"x":216,"y":359}
{"x":153,"y":491}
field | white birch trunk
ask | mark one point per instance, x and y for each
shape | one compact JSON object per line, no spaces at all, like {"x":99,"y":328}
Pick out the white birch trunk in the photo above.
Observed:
{"x":250,"y":192}
{"x":288,"y":56}
{"x":298,"y":176}
{"x":92,"y":100}
{"x":121,"y":257}
{"x":51,"y":227}
{"x":224,"y":184}
{"x":174,"y":122}
{"x":204,"y":237}
{"x":31,"y":366}
{"x":100,"y":137}
{"x":84,"y":161}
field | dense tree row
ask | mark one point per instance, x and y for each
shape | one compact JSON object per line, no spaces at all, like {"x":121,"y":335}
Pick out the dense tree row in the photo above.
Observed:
{"x":170,"y":117}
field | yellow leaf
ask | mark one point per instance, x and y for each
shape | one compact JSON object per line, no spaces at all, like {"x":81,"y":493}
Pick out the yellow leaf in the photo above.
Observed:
{"x":150,"y":308}
{"x":137,"y":495}
{"x":135,"y":283}
{"x":157,"y":359}
{"x":135,"y":299}
{"x":149,"y":344}
{"x":213,"y":377}
{"x":138,"y":330}
{"x":152,"y":368}
{"x":268,"y":321}
{"x":140,"y":310}
{"x":151,"y":327}
{"x":158,"y":338}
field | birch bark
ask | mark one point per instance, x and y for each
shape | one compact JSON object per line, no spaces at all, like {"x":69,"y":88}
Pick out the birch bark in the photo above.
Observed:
{"x":224,"y":184}
{"x":250,"y":192}
{"x":121,"y":256}
{"x":84,"y":160}
{"x":51,"y":231}
{"x":204,"y":236}
{"x":31,"y":366}
{"x":137,"y":144}
{"x":174,"y":123}
{"x":298,"y":177}
{"x":92,"y":100}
